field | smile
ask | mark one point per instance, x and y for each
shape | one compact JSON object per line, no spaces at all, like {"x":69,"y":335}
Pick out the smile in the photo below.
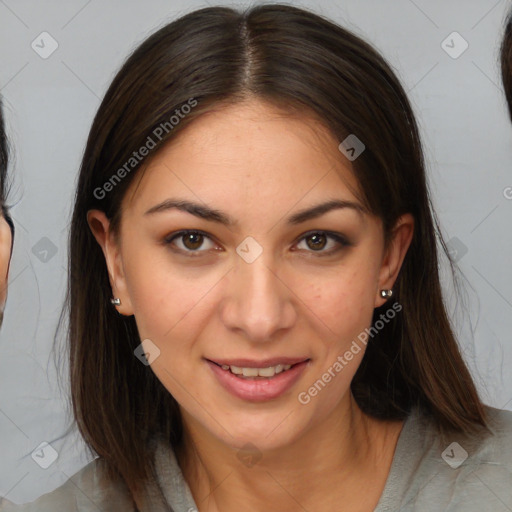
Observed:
{"x":258,"y":380}
{"x":256,"y":372}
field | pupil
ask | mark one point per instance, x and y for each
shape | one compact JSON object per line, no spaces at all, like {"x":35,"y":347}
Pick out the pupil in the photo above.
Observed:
{"x":316,"y":239}
{"x":193,"y":240}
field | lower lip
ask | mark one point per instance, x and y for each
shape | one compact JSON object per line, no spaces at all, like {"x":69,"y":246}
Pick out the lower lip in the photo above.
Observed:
{"x":258,"y":389}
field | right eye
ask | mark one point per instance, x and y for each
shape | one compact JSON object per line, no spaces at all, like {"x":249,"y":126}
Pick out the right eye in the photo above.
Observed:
{"x":190,"y":241}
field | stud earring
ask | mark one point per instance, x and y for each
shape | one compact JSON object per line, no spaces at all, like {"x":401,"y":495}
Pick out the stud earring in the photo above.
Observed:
{"x":386,"y":294}
{"x":115,"y":301}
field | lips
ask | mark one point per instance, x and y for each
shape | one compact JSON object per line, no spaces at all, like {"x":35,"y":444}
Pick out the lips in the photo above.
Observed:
{"x":251,"y":385}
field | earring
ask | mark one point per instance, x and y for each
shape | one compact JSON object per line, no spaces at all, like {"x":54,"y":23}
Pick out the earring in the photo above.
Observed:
{"x":386,"y":294}
{"x":115,"y":301}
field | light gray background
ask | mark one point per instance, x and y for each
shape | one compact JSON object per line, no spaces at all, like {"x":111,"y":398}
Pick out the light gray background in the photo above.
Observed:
{"x":50,"y":104}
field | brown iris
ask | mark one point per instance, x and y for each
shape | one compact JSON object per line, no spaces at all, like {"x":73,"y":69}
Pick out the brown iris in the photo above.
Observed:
{"x":193,"y":240}
{"x":319,"y":241}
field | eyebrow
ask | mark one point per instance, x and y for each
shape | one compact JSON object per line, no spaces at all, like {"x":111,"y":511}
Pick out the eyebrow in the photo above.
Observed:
{"x":213,"y":215}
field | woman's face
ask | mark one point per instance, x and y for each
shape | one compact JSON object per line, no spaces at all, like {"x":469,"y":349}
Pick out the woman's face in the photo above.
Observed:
{"x":267,"y":278}
{"x":5,"y":256}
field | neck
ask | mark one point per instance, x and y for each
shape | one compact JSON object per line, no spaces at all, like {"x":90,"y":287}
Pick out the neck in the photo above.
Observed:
{"x":331,"y":461}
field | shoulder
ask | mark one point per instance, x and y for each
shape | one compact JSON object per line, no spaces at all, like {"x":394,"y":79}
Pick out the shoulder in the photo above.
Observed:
{"x":87,"y":490}
{"x":456,"y":471}
{"x":501,"y":421}
{"x":483,"y":449}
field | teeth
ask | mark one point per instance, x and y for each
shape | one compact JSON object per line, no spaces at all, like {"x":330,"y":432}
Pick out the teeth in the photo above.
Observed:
{"x":266,"y":372}
{"x":257,"y":372}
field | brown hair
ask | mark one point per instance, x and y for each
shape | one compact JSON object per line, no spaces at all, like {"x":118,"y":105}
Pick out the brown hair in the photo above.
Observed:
{"x":506,"y":62}
{"x":4,"y":160}
{"x":302,"y":62}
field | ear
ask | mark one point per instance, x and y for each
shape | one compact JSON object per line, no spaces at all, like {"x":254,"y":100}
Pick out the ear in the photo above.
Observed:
{"x":394,"y":255}
{"x":100,"y":227}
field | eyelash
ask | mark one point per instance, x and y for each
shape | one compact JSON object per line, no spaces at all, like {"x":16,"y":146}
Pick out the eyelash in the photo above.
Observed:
{"x":340,"y":239}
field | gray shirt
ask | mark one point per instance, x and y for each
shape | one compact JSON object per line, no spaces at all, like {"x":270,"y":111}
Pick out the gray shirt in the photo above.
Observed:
{"x":429,"y":472}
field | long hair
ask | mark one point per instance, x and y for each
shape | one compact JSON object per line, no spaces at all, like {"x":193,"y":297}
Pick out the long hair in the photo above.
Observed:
{"x":4,"y":161}
{"x":506,"y":62}
{"x":298,"y":61}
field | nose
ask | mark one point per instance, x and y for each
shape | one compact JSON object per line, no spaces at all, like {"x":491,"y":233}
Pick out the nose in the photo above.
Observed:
{"x":257,"y":303}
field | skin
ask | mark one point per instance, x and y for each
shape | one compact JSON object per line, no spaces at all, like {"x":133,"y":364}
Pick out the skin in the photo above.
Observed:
{"x":5,"y":256}
{"x":259,"y":166}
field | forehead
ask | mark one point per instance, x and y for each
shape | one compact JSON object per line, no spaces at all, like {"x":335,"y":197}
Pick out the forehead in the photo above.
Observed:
{"x":249,"y":153}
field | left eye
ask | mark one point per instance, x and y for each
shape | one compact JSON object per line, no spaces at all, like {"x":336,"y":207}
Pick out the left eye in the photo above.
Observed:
{"x":319,"y":240}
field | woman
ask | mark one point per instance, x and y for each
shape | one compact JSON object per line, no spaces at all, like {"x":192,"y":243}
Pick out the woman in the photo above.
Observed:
{"x":256,"y":318}
{"x":6,"y":224}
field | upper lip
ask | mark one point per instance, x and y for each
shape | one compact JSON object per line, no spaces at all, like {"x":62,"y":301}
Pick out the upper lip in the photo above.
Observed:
{"x":262,"y":363}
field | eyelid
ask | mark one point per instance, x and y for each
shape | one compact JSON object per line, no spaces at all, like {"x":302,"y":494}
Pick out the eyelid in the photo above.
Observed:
{"x":183,"y":232}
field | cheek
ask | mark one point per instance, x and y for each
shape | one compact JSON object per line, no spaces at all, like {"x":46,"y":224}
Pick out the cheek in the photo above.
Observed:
{"x":170,"y":309}
{"x":165,"y":298}
{"x":344,"y":300}
{"x":341,"y":309}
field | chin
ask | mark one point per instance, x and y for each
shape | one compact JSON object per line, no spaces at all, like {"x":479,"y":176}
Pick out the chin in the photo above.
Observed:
{"x":266,"y":431}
